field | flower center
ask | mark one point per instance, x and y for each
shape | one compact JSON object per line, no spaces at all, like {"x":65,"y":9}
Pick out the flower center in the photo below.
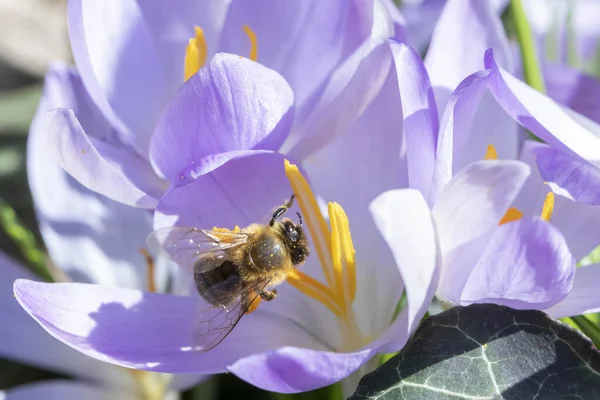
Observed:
{"x":335,"y":251}
{"x":514,"y":214}
{"x":197,"y":51}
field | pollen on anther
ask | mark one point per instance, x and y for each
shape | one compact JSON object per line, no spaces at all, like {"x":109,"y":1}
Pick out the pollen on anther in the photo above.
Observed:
{"x":491,"y":153}
{"x":548,"y":207}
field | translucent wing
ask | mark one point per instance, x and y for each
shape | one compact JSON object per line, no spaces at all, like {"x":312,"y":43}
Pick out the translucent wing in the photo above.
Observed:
{"x":185,"y":245}
{"x":212,"y":324}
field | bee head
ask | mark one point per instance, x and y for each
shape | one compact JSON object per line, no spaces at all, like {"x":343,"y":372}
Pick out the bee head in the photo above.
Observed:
{"x":295,"y":240}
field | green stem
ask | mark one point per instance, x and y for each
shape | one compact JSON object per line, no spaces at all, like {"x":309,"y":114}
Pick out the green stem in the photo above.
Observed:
{"x":25,"y":241}
{"x":531,"y":67}
{"x":590,"y":329}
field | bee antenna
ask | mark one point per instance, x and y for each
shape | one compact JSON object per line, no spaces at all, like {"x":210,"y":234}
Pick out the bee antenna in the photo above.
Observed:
{"x":289,"y":203}
{"x":299,"y":218}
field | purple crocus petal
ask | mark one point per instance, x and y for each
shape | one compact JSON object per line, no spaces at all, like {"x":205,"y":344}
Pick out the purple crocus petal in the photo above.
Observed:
{"x":568,"y":175}
{"x":420,"y":116}
{"x":450,"y":58}
{"x":349,"y":92}
{"x":293,"y":36}
{"x":232,"y":103}
{"x":404,"y":220}
{"x":82,"y":159}
{"x":455,"y":126}
{"x":335,"y":175}
{"x":151,"y":331}
{"x":63,"y":88}
{"x":21,"y":339}
{"x":583,"y":297}
{"x":172,"y":25}
{"x":65,"y":390}
{"x":117,"y":58}
{"x":526,"y":264}
{"x":579,"y":223}
{"x":421,"y":17}
{"x":469,"y":207}
{"x":79,"y":226}
{"x":294,"y":370}
{"x":573,"y":89}
{"x":400,"y":24}
{"x":240,"y":191}
{"x":556,"y":125}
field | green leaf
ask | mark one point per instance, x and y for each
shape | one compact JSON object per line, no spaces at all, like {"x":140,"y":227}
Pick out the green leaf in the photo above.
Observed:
{"x":487,"y":351}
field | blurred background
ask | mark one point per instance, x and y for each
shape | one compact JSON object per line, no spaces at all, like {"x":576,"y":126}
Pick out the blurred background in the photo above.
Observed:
{"x":34,"y":32}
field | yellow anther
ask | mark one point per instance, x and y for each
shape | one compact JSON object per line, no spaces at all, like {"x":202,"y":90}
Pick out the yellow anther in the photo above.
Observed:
{"x":195,"y":53}
{"x":342,"y":253}
{"x":315,"y":222}
{"x":254,"y":305}
{"x":313,"y":288}
{"x":150,"y":269}
{"x":490,"y":153}
{"x":512,"y":214}
{"x":334,"y":249}
{"x":253,"y":42}
{"x":548,"y":206}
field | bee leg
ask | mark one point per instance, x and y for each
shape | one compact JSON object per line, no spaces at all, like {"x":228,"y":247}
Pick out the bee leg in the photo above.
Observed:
{"x":268,"y":295}
{"x":281,"y":210}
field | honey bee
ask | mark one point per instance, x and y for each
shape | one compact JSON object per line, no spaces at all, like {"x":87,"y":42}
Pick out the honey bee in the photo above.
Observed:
{"x":232,"y":268}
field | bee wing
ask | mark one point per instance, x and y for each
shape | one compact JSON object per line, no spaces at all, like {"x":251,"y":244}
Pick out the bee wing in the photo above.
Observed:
{"x":212,"y":324}
{"x":185,"y":245}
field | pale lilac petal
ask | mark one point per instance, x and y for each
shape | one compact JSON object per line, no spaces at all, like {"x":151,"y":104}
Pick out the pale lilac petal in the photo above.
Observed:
{"x":526,"y":264}
{"x":573,"y":89}
{"x":231,"y":104}
{"x":465,"y":30}
{"x":404,"y":220}
{"x":450,"y":60}
{"x":568,"y":175}
{"x":469,"y":207}
{"x":293,"y":370}
{"x":303,"y":40}
{"x":152,"y":332}
{"x":74,"y":221}
{"x":455,"y":126}
{"x":421,"y":17}
{"x":21,"y":339}
{"x":420,"y":116}
{"x":63,"y":88}
{"x":172,"y":25}
{"x":556,"y":125}
{"x":335,"y":175}
{"x":348,"y":92}
{"x":65,"y":390}
{"x":117,"y":58}
{"x":579,"y":223}
{"x":82,"y":159}
{"x":400,"y":24}
{"x":242,"y":190}
{"x":583,"y":297}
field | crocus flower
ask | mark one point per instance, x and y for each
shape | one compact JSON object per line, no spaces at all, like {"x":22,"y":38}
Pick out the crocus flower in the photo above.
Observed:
{"x":312,"y":335}
{"x":83,"y":232}
{"x":335,"y":314}
{"x":486,"y":257}
{"x":479,"y":121}
{"x":132,"y":58}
